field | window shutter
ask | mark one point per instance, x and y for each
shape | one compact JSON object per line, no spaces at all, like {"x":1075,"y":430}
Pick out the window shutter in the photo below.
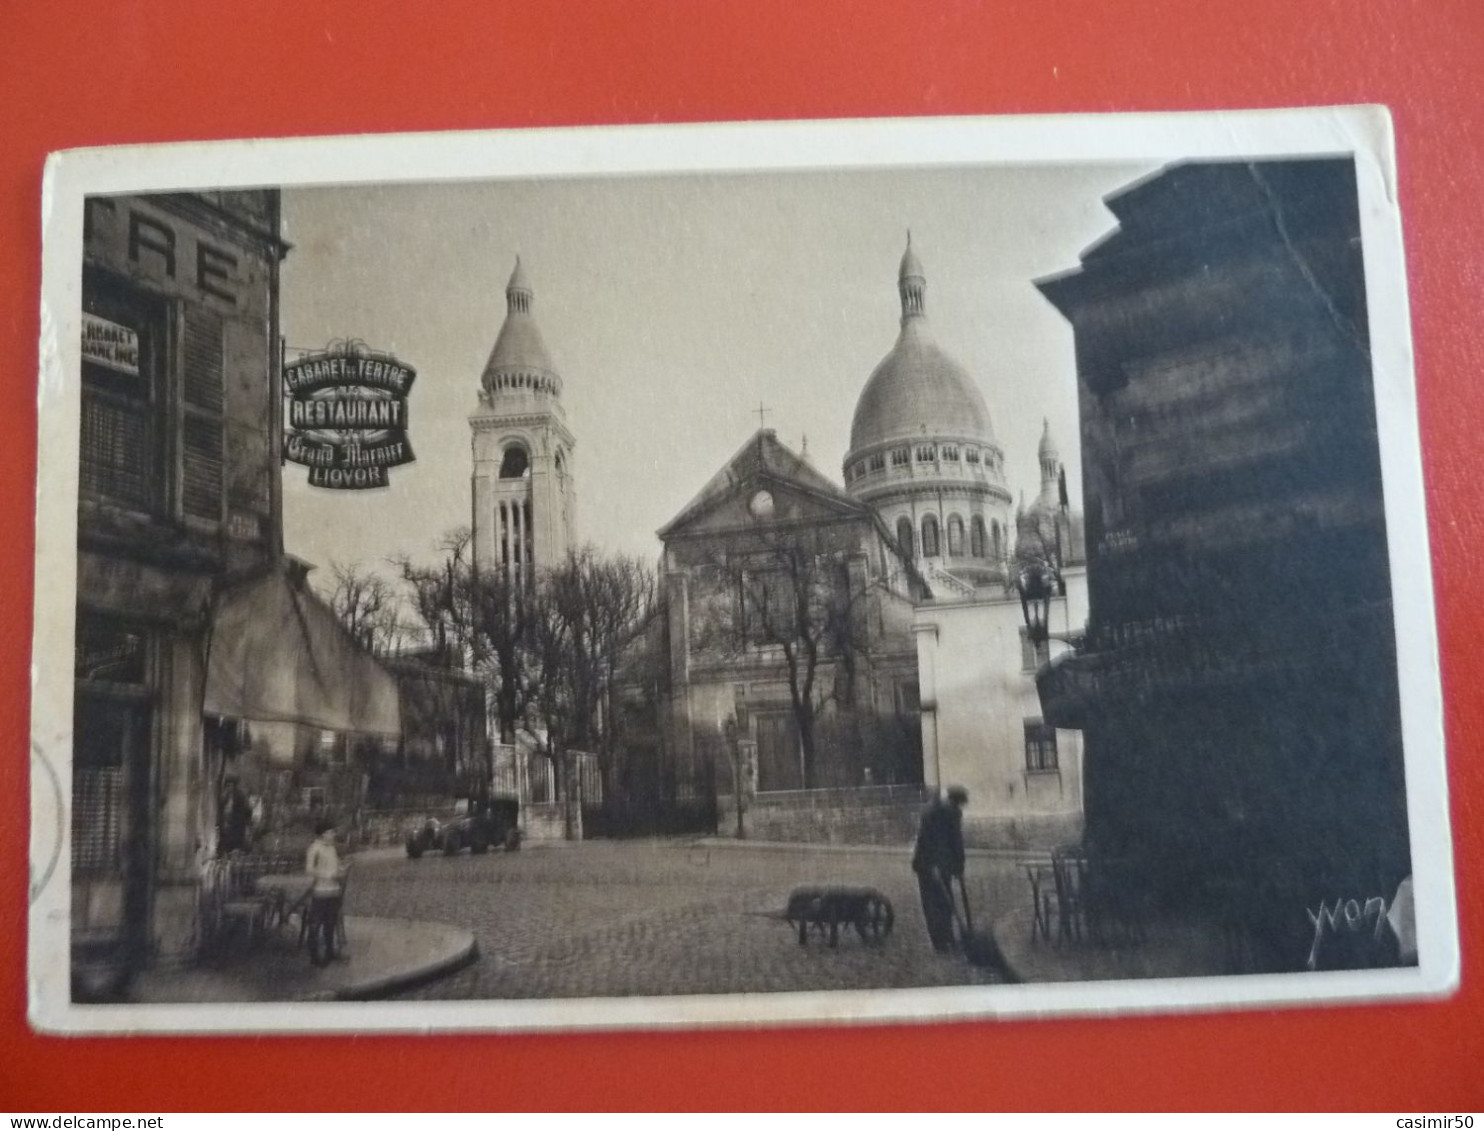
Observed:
{"x":201,"y":424}
{"x":203,"y":361}
{"x":201,"y":466}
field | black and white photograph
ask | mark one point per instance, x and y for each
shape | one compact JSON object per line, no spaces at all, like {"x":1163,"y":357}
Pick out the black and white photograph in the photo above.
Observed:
{"x":699,"y":575}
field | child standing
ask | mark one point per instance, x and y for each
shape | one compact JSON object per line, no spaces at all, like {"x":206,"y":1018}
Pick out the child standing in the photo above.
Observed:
{"x":323,"y":865}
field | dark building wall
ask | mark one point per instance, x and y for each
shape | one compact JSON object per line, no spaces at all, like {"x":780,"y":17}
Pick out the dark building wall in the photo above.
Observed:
{"x":178,"y":490}
{"x":180,"y":459}
{"x":1243,"y":713}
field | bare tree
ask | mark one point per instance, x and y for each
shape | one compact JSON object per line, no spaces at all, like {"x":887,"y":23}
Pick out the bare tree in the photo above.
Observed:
{"x":547,"y":646}
{"x":792,"y":590}
{"x":437,"y":597}
{"x":583,"y":614}
{"x":369,"y":607}
{"x":479,"y":620}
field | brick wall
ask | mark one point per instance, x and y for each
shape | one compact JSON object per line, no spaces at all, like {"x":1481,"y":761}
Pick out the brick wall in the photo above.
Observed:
{"x":885,"y":815}
{"x":882,"y":816}
{"x":1037,"y":831}
{"x":383,"y":828}
{"x":544,"y":821}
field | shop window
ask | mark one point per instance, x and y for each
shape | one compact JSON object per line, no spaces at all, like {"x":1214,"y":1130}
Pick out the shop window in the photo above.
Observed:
{"x":1040,"y":747}
{"x":930,"y":537}
{"x":955,"y":536}
{"x":333,"y":749}
{"x":126,"y":413}
{"x":109,"y":651}
{"x":123,"y":335}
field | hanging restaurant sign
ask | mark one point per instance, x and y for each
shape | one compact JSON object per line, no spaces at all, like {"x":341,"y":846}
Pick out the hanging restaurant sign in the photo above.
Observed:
{"x":346,"y":411}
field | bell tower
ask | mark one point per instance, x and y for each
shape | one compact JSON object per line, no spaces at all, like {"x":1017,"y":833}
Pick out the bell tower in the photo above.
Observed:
{"x":525,"y":500}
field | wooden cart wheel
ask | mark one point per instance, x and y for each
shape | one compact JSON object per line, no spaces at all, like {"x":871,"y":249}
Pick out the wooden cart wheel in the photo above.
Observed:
{"x":875,"y":921}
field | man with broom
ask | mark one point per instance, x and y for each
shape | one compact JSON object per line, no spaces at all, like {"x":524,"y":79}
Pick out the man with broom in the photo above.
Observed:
{"x":938,"y":860}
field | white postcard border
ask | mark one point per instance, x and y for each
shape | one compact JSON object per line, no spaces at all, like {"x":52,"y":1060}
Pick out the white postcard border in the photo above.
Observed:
{"x":643,"y":150}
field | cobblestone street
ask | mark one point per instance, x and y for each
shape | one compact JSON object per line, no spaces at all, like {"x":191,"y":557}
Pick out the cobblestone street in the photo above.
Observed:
{"x":607,"y":918}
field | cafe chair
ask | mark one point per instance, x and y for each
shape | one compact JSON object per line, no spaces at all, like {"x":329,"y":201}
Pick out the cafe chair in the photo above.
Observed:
{"x":233,"y":900}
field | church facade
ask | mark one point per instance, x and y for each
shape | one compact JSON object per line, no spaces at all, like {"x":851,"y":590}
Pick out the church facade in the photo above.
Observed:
{"x":908,"y":624}
{"x":790,"y":671}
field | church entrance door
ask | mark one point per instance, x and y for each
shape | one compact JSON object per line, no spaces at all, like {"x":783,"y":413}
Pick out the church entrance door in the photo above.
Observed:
{"x":779,"y":759}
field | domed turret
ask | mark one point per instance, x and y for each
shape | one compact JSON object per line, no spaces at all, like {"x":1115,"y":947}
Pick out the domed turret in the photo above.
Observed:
{"x":1046,"y":529}
{"x":519,"y":361}
{"x":1050,"y":460}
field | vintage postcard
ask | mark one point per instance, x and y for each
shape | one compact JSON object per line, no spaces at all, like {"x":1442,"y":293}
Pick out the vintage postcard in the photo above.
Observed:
{"x":786,"y":573}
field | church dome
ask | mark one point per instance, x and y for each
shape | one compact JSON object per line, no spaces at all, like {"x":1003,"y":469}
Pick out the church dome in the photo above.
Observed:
{"x":918,"y":389}
{"x":520,"y":351}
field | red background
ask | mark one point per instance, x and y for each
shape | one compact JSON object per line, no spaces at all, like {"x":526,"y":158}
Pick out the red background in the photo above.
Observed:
{"x":118,"y":71}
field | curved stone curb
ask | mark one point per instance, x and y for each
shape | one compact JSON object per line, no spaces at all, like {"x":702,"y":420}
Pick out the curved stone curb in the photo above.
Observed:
{"x":461,"y":950}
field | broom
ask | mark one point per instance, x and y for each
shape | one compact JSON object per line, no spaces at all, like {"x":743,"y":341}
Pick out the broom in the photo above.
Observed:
{"x":979,"y":946}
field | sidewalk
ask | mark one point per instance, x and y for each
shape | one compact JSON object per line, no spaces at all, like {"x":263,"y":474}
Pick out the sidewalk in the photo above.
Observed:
{"x":383,"y":956}
{"x":1172,"y":948}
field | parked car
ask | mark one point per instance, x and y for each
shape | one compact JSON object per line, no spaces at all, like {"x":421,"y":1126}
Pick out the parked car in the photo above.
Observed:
{"x":488,"y":824}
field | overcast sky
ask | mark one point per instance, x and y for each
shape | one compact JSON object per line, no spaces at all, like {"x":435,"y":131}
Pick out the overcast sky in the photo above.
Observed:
{"x":672,"y":306}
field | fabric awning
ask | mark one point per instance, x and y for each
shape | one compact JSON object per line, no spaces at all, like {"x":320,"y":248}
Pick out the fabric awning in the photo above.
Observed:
{"x":278,"y":653}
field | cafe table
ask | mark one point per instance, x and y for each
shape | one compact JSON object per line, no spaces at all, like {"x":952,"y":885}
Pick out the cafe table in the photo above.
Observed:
{"x":287,"y":894}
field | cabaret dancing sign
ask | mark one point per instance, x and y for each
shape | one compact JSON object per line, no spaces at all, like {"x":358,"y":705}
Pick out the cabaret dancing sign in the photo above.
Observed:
{"x":346,"y":411}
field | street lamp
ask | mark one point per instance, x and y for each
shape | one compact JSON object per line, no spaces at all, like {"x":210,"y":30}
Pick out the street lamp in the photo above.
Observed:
{"x":1039,"y":578}
{"x":1038,"y":583}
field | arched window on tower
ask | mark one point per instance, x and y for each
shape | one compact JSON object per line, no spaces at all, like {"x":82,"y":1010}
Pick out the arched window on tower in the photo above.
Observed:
{"x":561,"y":461}
{"x":930,"y":537}
{"x":516,"y":463}
{"x":955,"y":536}
{"x":998,"y":537}
{"x":976,"y":536}
{"x":904,"y":537}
